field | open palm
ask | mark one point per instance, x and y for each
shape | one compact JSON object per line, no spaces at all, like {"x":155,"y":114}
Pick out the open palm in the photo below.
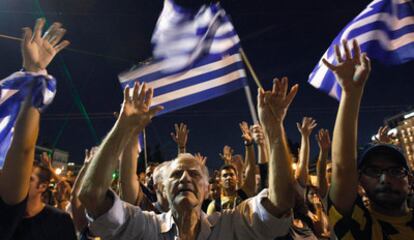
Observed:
{"x":39,"y":51}
{"x":351,"y":71}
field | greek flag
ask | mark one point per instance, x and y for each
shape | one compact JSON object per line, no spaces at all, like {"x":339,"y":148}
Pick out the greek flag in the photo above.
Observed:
{"x":13,"y":90}
{"x":384,"y":30}
{"x":196,"y":57}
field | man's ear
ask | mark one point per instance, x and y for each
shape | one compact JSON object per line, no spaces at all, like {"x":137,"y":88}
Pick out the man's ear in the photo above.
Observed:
{"x":42,"y":187}
{"x":411,"y":182}
{"x":207,"y":192}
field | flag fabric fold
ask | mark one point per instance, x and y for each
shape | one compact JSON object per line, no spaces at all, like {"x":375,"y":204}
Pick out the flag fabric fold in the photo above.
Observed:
{"x":384,"y":30}
{"x":196,"y":57}
{"x":13,"y":91}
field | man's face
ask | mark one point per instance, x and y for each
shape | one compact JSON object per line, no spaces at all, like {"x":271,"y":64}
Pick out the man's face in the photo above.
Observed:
{"x":228,"y":179}
{"x":148,"y":176}
{"x":186,"y":185}
{"x":386,"y":191}
{"x":35,"y":187}
{"x":329,"y":173}
{"x":214,"y":192}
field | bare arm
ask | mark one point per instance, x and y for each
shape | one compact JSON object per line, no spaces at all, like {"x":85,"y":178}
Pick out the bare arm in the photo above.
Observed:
{"x":78,"y":210}
{"x":351,"y":73}
{"x":272,"y":107}
{"x":135,"y":115}
{"x":130,"y":188}
{"x":37,"y":53}
{"x":305,"y":129}
{"x":249,"y":182}
{"x":324,"y":143}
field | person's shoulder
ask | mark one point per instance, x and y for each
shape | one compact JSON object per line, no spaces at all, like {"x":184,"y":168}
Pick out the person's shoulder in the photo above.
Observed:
{"x":55,"y":213}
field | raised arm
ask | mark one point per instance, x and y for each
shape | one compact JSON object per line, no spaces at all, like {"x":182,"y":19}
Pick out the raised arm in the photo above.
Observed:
{"x":305,"y":129}
{"x":130,"y":188}
{"x":249,"y":181}
{"x":272,"y":108}
{"x":135,"y":115}
{"x":324,"y":143}
{"x":47,"y":161}
{"x":180,"y":137}
{"x":78,"y":210}
{"x":37,"y":52}
{"x":351,"y":73}
{"x":263,"y":155}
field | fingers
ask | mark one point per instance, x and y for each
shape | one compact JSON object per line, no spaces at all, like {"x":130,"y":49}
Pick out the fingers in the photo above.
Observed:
{"x":52,"y":31}
{"x":357,"y":52}
{"x":61,"y":46}
{"x":148,"y":97}
{"x":284,"y":86}
{"x":37,"y":36}
{"x":155,"y":110}
{"x":142,"y":93}
{"x":135,"y":92}
{"x":329,"y":65}
{"x":86,"y":153}
{"x":260,"y":97}
{"x":338,"y":54}
{"x":174,"y":138}
{"x":126,"y":94}
{"x":366,"y":62}
{"x":58,"y":36}
{"x":299,"y":126}
{"x":27,"y":36}
{"x":177,"y":129}
{"x":348,"y":55}
{"x":292,"y":94}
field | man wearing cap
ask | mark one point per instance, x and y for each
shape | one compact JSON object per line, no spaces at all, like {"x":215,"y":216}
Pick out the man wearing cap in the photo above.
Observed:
{"x":381,"y":170}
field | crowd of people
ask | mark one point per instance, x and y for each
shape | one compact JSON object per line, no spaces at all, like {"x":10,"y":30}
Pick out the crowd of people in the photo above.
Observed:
{"x":355,"y":194}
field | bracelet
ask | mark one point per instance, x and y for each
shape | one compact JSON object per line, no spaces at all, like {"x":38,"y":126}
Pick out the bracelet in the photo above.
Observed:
{"x":248,"y":144}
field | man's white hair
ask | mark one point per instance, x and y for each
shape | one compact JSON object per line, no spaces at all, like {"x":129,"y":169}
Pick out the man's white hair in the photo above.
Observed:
{"x":160,"y":172}
{"x":204,"y":169}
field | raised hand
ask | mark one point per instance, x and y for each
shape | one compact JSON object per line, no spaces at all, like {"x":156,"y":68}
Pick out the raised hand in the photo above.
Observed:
{"x":89,"y":154}
{"x":324,"y":140}
{"x":227,"y":154}
{"x":258,"y":134}
{"x":46,"y":160}
{"x":246,"y":134}
{"x":273,"y":105}
{"x":135,"y":111}
{"x":181,"y":135}
{"x":350,"y":71}
{"x":307,"y":126}
{"x":39,"y":51}
{"x":200,"y":158}
{"x":383,"y":136}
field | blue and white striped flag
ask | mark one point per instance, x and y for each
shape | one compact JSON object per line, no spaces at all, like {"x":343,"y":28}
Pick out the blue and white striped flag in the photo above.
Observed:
{"x":384,"y":30}
{"x":196,"y":57}
{"x":13,"y":91}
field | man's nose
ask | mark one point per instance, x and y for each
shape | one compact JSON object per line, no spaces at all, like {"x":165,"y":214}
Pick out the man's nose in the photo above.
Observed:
{"x":384,"y":178}
{"x":185,"y":177}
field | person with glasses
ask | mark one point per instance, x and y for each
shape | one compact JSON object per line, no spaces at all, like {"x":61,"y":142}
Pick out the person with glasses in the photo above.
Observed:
{"x":381,"y":170}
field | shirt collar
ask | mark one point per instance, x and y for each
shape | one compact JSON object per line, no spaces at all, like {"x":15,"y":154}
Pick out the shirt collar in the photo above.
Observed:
{"x":167,"y":223}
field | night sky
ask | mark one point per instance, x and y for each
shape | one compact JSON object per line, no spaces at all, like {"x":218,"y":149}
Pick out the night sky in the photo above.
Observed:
{"x":281,"y":38}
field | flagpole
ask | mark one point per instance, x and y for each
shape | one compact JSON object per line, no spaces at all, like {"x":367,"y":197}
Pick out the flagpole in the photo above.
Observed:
{"x":251,"y":104}
{"x":250,"y":68}
{"x":144,"y":132}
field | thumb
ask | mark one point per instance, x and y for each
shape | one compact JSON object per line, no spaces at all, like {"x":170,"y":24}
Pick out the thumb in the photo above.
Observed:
{"x":153,"y":111}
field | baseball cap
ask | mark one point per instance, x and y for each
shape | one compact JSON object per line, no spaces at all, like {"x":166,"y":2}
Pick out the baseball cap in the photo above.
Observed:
{"x":388,"y":149}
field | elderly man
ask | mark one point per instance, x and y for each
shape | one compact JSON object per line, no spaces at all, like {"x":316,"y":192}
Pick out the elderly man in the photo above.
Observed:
{"x":265,"y":216}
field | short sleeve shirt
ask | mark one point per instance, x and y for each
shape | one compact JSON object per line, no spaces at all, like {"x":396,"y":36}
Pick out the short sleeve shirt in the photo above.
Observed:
{"x":364,"y":223}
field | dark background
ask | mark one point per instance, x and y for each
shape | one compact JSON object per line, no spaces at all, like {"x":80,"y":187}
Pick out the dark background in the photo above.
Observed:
{"x":280,"y":38}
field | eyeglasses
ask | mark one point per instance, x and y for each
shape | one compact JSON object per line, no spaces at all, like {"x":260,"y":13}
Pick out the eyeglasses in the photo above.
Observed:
{"x":395,"y":172}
